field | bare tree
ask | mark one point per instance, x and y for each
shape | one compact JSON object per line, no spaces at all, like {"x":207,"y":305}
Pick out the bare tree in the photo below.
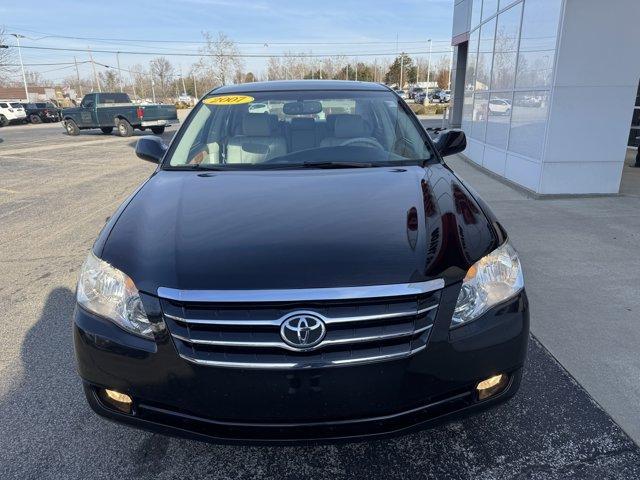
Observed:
{"x":7,"y":58}
{"x":162,"y":70}
{"x":220,"y":61}
{"x":109,"y":81}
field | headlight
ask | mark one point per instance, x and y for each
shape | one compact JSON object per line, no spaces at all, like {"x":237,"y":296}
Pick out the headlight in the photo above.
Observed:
{"x":490,"y":281}
{"x":109,"y":293}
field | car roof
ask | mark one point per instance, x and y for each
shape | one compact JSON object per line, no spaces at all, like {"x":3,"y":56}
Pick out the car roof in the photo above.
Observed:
{"x":293,"y":85}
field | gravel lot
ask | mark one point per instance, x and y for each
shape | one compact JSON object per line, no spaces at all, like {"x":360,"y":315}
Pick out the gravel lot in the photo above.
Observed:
{"x":55,"y":194}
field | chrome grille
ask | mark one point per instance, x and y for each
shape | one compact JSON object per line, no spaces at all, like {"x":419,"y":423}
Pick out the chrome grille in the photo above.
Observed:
{"x":247,"y":335}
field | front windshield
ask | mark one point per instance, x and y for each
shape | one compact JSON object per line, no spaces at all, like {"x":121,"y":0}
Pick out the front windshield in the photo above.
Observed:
{"x":299,"y":128}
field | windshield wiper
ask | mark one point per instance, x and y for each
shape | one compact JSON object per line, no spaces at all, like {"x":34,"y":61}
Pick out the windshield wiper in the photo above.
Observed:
{"x":337,"y":165}
{"x":197,"y":166}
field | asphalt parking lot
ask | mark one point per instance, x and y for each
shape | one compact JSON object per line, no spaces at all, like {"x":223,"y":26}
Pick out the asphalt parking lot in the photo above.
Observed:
{"x":55,"y":194}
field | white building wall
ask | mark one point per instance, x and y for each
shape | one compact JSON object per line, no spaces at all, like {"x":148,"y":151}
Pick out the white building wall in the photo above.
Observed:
{"x":569,"y":71}
{"x":596,"y":81}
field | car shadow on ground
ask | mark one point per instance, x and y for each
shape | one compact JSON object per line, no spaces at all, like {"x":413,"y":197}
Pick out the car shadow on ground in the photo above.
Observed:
{"x":550,"y":430}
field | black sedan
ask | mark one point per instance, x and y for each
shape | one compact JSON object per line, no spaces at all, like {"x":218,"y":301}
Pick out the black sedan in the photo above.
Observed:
{"x":300,"y":275}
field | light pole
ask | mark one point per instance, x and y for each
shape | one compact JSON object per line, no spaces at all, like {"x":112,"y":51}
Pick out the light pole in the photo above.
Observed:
{"x":429,"y":67}
{"x":24,"y":76}
{"x":119,"y":71}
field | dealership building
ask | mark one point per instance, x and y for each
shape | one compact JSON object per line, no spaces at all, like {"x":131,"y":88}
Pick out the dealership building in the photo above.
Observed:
{"x":547,"y":90}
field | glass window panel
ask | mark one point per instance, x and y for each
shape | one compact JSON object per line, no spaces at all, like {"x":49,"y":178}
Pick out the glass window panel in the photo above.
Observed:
{"x":499,"y":119}
{"x":467,"y":107}
{"x":528,"y":122}
{"x":485,"y":55}
{"x":506,"y":48}
{"x":472,"y":58}
{"x":476,"y":10}
{"x":479,"y":120}
{"x":489,"y":7}
{"x":635,"y":121}
{"x":538,"y":43}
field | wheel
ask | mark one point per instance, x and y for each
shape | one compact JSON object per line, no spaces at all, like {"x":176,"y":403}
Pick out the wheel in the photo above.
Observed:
{"x":71,"y":127}
{"x":107,"y":130}
{"x":124,"y":128}
{"x":3,"y":121}
{"x":157,"y":130}
{"x":35,"y":119}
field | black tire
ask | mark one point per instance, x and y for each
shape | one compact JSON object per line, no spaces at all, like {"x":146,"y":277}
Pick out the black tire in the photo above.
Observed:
{"x":3,"y":121}
{"x":35,"y":119}
{"x":71,"y":127}
{"x":124,"y":128}
{"x":107,"y":130}
{"x":157,"y":130}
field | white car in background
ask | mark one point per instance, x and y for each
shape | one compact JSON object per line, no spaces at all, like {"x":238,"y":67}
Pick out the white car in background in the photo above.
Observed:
{"x":499,"y":106}
{"x":11,"y":112}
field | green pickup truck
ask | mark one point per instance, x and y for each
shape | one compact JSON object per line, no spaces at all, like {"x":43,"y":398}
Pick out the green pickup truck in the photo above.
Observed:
{"x":107,"y":111}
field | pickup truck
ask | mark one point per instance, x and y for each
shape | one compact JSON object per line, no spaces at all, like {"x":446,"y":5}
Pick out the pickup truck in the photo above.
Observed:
{"x":108,"y":110}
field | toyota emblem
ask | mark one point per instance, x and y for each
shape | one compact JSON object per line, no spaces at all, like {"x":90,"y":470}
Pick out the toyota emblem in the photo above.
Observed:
{"x":302,"y":330}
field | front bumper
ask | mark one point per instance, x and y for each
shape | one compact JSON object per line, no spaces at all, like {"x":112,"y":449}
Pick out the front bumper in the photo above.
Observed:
{"x":318,"y":404}
{"x":159,"y":123}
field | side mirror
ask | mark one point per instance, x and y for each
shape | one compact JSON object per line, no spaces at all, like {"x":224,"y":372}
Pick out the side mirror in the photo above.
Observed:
{"x":151,"y":149}
{"x":450,"y":142}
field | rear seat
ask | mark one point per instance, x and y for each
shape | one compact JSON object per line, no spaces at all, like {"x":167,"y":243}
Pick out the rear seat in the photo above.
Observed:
{"x":302,"y":134}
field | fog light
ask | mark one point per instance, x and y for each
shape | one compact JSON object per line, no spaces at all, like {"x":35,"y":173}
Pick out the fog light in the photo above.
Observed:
{"x":491,"y":386}
{"x":119,"y":401}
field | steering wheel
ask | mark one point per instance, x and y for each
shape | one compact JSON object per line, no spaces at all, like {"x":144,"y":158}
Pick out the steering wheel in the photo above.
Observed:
{"x":367,"y":142}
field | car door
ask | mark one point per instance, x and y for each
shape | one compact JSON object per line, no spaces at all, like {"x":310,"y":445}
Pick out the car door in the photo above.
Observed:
{"x":88,"y":111}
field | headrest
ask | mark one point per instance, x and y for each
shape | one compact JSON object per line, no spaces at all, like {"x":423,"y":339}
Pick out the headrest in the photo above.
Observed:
{"x":350,"y":126}
{"x":331,"y":119}
{"x":303,"y":123}
{"x":257,"y":125}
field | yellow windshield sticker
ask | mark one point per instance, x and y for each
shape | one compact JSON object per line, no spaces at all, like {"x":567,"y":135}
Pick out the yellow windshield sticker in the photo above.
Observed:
{"x":228,"y":100}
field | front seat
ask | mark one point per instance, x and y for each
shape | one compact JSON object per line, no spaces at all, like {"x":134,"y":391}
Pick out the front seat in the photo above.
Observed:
{"x":259,"y":142}
{"x":348,"y":127}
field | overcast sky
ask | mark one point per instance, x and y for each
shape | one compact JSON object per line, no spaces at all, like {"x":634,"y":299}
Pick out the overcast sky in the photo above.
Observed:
{"x":260,"y":21}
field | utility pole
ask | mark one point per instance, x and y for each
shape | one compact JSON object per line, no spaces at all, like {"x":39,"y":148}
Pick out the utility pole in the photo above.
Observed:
{"x":195,"y":88}
{"x":78,"y":75}
{"x":401,"y":70}
{"x":119,"y":71}
{"x":347,"y":71}
{"x":153,"y":90}
{"x":95,"y":74}
{"x":184,"y":89}
{"x":356,"y":69}
{"x":429,"y":66}
{"x":24,"y":76}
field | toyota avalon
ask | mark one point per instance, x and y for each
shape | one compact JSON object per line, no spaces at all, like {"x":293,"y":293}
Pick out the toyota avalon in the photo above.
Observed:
{"x":306,"y":270}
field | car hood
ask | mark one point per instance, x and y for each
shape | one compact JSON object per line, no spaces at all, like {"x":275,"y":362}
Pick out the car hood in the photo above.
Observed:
{"x":306,"y":228}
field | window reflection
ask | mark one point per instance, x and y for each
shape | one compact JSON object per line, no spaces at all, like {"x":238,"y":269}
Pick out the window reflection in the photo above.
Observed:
{"x":506,"y":48}
{"x":499,"y":118}
{"x":538,"y":43}
{"x":489,"y":7}
{"x":472,"y":58}
{"x":528,"y":121}
{"x":485,"y":55}
{"x":479,"y":121}
{"x":476,"y":10}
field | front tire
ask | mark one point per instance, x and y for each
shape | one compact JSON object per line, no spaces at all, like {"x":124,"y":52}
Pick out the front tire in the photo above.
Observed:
{"x":157,"y":130}
{"x":124,"y":128}
{"x":107,"y":130}
{"x":71,"y":127}
{"x":3,"y":121}
{"x":35,"y":119}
